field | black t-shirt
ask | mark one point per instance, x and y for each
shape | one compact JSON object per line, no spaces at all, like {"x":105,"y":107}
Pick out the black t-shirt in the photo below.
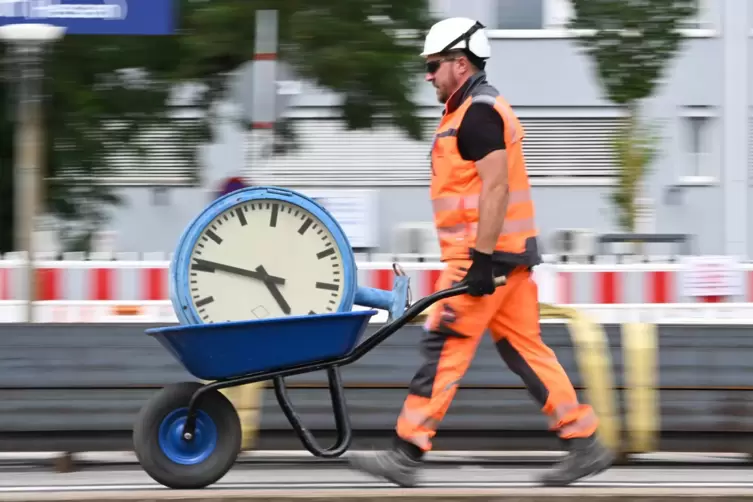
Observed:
{"x":481,"y":132}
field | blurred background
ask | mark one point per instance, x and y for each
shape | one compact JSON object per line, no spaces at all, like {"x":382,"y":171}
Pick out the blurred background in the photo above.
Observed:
{"x":141,"y":132}
{"x":637,"y":117}
{"x":113,"y":137}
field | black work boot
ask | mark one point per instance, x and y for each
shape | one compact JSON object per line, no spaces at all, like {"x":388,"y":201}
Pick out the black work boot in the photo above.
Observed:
{"x":399,"y":465}
{"x":585,"y":457}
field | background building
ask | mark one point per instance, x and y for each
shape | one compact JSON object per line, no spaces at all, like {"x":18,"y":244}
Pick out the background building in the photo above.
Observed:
{"x":699,"y":184}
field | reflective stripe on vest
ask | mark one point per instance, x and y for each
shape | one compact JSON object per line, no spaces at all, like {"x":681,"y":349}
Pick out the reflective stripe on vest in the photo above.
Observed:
{"x":454,"y":202}
{"x":492,"y":101}
{"x":456,"y":188}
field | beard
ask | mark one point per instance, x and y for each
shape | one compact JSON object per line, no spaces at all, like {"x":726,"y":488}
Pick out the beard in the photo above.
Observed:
{"x":443,"y":93}
{"x":441,"y":96}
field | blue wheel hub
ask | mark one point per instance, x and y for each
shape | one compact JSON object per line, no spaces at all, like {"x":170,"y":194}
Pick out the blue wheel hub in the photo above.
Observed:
{"x":180,"y":450}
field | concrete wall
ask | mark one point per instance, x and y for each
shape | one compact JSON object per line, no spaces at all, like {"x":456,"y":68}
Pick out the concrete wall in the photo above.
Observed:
{"x":548,"y":76}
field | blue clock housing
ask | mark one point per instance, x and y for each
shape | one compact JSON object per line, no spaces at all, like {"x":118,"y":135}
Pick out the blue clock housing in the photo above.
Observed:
{"x":394,"y":301}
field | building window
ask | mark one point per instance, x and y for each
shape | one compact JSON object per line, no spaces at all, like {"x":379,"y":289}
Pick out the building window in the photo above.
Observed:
{"x":520,"y":14}
{"x":558,"y":13}
{"x":558,"y":149}
{"x":702,"y":18}
{"x":697,"y":146}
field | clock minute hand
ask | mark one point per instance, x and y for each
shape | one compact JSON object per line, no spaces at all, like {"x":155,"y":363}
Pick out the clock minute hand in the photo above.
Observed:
{"x":273,"y":290}
{"x":210,"y":265}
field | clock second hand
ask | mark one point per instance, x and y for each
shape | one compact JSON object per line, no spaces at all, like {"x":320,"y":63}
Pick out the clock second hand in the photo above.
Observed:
{"x":273,"y":289}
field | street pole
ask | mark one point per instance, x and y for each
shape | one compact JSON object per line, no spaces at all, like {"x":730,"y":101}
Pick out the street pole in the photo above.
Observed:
{"x":264,"y":87}
{"x":28,"y":161}
{"x":27,"y":44}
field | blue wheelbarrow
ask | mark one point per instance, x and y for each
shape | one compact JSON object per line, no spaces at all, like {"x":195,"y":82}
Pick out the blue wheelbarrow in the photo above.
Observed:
{"x":188,"y":435}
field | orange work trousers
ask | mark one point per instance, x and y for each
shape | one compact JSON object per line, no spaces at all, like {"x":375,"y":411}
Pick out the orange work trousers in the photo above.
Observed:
{"x":452,"y":334}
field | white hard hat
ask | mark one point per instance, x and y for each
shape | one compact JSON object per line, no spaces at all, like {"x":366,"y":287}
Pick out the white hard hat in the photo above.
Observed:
{"x":453,"y":33}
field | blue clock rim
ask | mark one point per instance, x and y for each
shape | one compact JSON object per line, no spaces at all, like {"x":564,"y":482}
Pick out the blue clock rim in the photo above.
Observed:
{"x":179,"y":270}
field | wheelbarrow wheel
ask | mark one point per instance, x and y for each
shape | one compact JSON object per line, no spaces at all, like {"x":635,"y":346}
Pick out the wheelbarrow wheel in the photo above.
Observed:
{"x":174,"y":461}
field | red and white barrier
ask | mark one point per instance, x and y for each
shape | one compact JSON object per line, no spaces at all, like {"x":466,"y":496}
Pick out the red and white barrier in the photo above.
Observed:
{"x":104,"y":290}
{"x":87,"y":280}
{"x":559,"y":283}
{"x":651,"y":283}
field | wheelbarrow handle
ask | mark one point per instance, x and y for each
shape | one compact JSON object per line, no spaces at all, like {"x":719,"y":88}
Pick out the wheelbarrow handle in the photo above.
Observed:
{"x":410,"y":313}
{"x":462,"y":288}
{"x":457,"y":290}
{"x":386,"y":330}
{"x":425,"y":302}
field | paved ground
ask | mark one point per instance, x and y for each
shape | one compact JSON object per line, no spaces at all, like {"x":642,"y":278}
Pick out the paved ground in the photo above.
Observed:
{"x":114,"y":477}
{"x":313,"y":476}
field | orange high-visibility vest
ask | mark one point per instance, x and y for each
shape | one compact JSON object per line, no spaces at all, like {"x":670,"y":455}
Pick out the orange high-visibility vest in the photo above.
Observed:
{"x":456,"y":190}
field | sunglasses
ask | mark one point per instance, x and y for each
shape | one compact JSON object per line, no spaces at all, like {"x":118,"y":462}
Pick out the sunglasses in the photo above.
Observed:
{"x":433,"y":66}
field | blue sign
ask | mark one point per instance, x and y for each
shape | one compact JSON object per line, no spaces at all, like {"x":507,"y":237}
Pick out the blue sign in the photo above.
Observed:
{"x":94,"y":17}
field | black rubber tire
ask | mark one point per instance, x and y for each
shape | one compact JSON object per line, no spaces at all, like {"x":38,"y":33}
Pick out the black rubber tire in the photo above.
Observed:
{"x":173,"y":475}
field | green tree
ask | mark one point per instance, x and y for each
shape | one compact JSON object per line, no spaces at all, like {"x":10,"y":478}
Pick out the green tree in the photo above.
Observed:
{"x":630,"y":42}
{"x":365,"y":50}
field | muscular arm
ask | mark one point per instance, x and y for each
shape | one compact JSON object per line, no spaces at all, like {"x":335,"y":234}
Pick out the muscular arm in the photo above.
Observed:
{"x":494,"y":196}
{"x":481,"y":138}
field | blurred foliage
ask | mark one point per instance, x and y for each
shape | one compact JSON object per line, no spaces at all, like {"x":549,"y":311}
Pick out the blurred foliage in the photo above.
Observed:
{"x":631,"y":42}
{"x":635,"y":147}
{"x":364,"y":49}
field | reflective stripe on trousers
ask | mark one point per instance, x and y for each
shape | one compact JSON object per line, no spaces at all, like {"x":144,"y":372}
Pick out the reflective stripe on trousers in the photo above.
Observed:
{"x":419,"y":421}
{"x":564,"y":419}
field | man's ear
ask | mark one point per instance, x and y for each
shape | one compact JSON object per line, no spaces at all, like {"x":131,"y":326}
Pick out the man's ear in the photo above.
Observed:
{"x":467,"y":65}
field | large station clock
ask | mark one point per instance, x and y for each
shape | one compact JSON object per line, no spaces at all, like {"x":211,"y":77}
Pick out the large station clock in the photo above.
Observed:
{"x":261,"y":252}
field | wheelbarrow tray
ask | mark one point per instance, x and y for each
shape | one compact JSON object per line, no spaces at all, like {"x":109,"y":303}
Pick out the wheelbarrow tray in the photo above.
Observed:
{"x":231,"y":349}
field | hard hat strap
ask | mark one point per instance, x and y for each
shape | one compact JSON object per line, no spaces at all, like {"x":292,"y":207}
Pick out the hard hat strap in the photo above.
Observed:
{"x":465,"y":36}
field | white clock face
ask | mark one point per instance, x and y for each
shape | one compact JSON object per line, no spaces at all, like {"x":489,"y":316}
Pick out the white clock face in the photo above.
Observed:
{"x":262,"y":259}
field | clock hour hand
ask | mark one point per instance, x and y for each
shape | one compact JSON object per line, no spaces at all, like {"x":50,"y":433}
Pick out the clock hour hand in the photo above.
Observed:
{"x":273,"y":290}
{"x":210,"y":266}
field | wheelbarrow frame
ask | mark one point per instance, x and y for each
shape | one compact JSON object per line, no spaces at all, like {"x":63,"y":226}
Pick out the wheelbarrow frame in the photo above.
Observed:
{"x":332,"y":366}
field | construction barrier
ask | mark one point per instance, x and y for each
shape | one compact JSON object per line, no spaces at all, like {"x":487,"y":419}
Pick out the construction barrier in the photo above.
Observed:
{"x":137,"y":290}
{"x":560,"y":283}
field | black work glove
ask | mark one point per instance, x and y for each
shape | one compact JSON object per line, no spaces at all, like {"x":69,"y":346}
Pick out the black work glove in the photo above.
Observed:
{"x":480,"y":277}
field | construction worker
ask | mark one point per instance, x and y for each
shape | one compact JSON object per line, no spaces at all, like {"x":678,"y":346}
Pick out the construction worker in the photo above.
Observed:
{"x":484,"y":217}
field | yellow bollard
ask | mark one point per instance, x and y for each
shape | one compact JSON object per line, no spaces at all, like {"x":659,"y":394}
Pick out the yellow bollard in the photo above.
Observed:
{"x":640,"y":369}
{"x":247,"y":402}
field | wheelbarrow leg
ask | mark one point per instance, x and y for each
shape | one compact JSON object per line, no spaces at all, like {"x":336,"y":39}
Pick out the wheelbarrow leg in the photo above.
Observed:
{"x":189,"y":427}
{"x":339,"y":405}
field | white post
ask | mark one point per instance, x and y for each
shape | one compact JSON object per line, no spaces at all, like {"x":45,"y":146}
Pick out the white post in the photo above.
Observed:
{"x":27,"y":46}
{"x":264,"y":87}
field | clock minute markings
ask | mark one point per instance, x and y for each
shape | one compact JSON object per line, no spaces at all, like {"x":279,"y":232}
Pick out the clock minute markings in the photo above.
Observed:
{"x":273,"y":217}
{"x":204,"y":301}
{"x":216,"y":238}
{"x":201,"y":266}
{"x":305,"y":226}
{"x":328,"y":286}
{"x":325,"y":253}
{"x":241,"y":217}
